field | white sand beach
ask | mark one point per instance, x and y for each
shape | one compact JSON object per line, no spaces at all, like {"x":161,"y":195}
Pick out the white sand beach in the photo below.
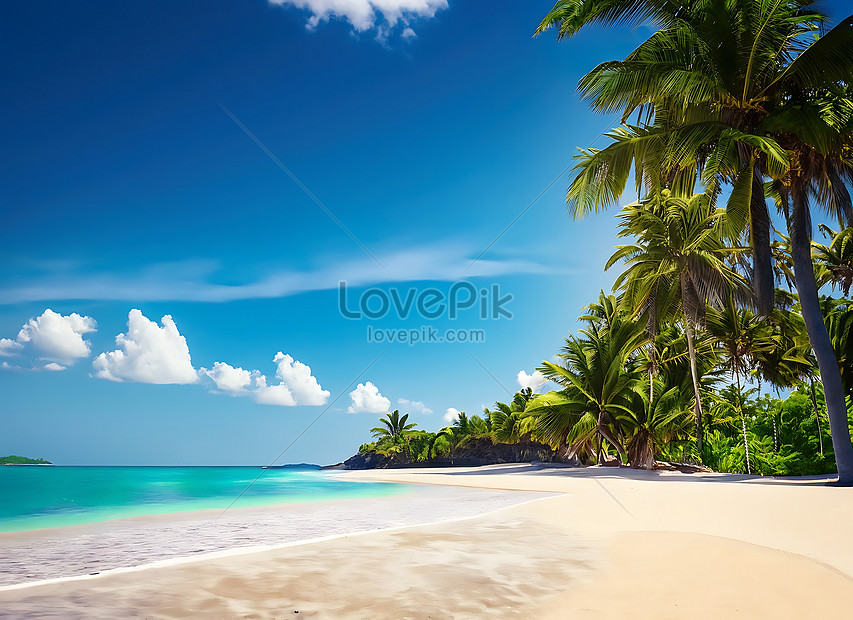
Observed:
{"x":603,"y":543}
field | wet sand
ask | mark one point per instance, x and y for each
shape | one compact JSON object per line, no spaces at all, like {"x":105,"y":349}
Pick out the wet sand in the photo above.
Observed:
{"x":95,"y":548}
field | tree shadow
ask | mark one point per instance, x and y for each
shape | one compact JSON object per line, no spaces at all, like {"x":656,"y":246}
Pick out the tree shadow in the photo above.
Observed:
{"x":628,"y":473}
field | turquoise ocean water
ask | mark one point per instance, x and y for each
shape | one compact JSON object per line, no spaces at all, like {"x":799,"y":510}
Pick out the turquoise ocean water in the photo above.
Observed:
{"x":41,"y":497}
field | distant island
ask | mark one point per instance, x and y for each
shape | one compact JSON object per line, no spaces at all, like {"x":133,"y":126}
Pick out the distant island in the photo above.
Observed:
{"x":22,"y":460}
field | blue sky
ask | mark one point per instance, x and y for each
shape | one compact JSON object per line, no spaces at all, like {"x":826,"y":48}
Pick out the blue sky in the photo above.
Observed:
{"x":132,"y":190}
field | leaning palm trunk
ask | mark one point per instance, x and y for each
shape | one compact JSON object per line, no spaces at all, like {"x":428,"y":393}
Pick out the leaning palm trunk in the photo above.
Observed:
{"x":604,"y":434}
{"x":818,"y":336}
{"x":759,"y":241}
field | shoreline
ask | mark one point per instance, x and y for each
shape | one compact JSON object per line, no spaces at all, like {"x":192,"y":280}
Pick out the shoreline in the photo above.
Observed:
{"x":78,"y":551}
{"x":240,"y":551}
{"x":763,"y":547}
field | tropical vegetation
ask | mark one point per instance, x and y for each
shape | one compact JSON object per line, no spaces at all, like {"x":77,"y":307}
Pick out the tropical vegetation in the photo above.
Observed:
{"x":721,"y":343}
{"x":750,"y":96}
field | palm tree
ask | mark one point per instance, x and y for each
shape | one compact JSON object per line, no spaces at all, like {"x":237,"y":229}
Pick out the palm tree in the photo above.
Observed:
{"x":509,"y":424}
{"x":835,"y":261}
{"x":453,"y":435}
{"x":687,"y":82}
{"x":653,"y":422}
{"x":475,"y":426}
{"x":677,"y":265}
{"x":394,"y":426}
{"x":743,"y":337}
{"x":839,"y":324}
{"x":731,"y":92}
{"x":787,"y":363}
{"x":597,"y":373}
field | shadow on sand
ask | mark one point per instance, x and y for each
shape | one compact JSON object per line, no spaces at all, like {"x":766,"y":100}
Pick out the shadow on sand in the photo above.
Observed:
{"x":605,"y":473}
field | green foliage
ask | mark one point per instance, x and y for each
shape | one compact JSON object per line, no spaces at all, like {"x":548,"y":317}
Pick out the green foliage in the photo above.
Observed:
{"x":838,"y":317}
{"x":783,"y":436}
{"x":834,"y":262}
{"x":653,"y":420}
{"x":597,"y":372}
{"x":22,"y":460}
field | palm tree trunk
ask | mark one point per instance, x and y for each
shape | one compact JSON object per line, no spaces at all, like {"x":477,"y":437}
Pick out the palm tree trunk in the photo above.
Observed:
{"x":600,"y":455}
{"x":651,"y":387}
{"x":697,"y":406}
{"x":776,"y":440}
{"x":759,"y":238}
{"x":818,"y":337}
{"x":816,"y":414}
{"x":621,"y":455}
{"x":742,"y":422}
{"x":775,"y":434}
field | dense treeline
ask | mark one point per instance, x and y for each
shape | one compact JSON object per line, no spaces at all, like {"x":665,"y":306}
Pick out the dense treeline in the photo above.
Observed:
{"x":627,"y":397}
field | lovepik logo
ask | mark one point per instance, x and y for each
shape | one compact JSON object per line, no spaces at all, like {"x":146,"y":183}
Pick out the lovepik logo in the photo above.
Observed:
{"x":430,"y":303}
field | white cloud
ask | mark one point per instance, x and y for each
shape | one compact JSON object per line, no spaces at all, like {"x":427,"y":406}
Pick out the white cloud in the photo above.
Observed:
{"x":228,"y":379}
{"x":408,"y":33}
{"x":54,"y":366}
{"x":534,"y":381}
{"x":278,"y":395}
{"x":195,"y":280}
{"x":298,"y":379}
{"x":450,"y":415}
{"x":148,"y":353}
{"x":9,"y":347}
{"x":367,"y":399}
{"x":413,"y":406}
{"x":296,"y":386}
{"x":362,"y":14}
{"x":56,"y":337}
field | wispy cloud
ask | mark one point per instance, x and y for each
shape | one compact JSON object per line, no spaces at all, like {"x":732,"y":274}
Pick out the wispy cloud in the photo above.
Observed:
{"x":413,"y":406}
{"x":196,"y":280}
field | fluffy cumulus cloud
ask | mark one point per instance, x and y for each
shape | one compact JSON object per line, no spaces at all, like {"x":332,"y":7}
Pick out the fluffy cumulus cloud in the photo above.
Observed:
{"x":148,"y":353}
{"x":298,"y":379}
{"x":413,"y":406}
{"x":364,"y":14}
{"x":279,"y":394}
{"x":534,"y":381}
{"x":228,"y":379}
{"x":450,"y":415}
{"x":10,"y":347}
{"x":58,"y":338}
{"x":52,"y":337}
{"x":296,"y":386}
{"x":367,"y":399}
